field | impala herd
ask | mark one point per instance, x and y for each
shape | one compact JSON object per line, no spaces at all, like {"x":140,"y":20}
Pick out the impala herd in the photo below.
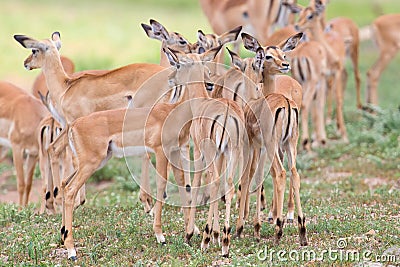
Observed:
{"x":240,"y":120}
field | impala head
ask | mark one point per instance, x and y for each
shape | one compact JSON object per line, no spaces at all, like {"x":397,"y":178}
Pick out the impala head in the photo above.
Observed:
{"x":40,"y":49}
{"x":173,"y":40}
{"x":274,"y":56}
{"x":190,"y":68}
{"x":319,"y":5}
{"x":308,"y":17}
{"x":209,"y":41}
{"x":252,"y":68}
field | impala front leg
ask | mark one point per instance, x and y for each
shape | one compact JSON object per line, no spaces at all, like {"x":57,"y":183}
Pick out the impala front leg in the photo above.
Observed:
{"x":161,"y":167}
{"x":19,"y":168}
{"x":198,"y":164}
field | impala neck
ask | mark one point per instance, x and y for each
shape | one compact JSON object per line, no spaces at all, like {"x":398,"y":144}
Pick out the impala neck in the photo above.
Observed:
{"x":208,"y":7}
{"x":268,"y":82}
{"x":55,"y":78}
{"x":317,"y":32}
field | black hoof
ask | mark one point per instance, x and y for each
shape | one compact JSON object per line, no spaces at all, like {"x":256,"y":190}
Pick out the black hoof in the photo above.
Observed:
{"x":303,"y":243}
{"x":289,"y":220}
{"x":226,"y":255}
{"x":73,"y":258}
{"x":163,"y":243}
{"x":270,"y":220}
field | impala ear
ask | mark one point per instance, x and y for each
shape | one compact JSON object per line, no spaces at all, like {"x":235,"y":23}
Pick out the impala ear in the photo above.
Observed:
{"x":210,"y":54}
{"x":259,"y":58}
{"x":294,"y":8}
{"x":148,"y":30}
{"x":230,"y":36}
{"x":291,"y":42}
{"x":201,"y":38}
{"x":250,"y":43}
{"x":319,"y":7}
{"x":56,"y":38}
{"x":30,"y":43}
{"x":236,"y":60}
{"x":172,"y":57}
{"x":159,"y":31}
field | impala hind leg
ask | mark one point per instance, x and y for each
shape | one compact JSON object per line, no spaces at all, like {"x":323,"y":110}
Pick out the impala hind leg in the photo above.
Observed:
{"x":339,"y":107}
{"x":208,"y":230}
{"x":250,"y":166}
{"x":295,"y":183}
{"x":319,"y":111}
{"x":144,"y":194}
{"x":30,"y":163}
{"x":259,"y":178}
{"x":229,"y":191}
{"x":279,"y":181}
{"x":70,"y":188}
{"x":375,"y":72}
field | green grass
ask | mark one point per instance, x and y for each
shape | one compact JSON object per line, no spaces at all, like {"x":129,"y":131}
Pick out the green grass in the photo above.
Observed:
{"x":347,"y":190}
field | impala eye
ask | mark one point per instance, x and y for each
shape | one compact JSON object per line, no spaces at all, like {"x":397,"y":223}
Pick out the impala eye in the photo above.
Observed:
{"x":34,"y":51}
{"x":310,"y":16}
{"x":267,"y":57}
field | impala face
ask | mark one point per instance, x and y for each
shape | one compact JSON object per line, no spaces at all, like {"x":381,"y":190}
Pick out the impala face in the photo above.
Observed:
{"x":275,"y":60}
{"x":307,"y":17}
{"x":173,"y":40}
{"x":40,"y":49}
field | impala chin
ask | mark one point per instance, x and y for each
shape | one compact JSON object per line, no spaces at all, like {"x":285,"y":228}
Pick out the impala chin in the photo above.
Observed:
{"x":284,"y":70}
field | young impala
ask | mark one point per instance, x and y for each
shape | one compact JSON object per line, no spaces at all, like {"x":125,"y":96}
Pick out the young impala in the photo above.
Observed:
{"x":272,"y":143}
{"x":218,"y":134}
{"x":76,"y":96}
{"x":161,"y":129}
{"x":20,"y":115}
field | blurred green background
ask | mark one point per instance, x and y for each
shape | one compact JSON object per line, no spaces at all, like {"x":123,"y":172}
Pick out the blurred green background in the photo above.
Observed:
{"x":101,"y":34}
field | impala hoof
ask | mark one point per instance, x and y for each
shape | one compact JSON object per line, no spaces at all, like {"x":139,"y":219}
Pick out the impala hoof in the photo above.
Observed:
{"x":290,"y":221}
{"x":73,"y":258}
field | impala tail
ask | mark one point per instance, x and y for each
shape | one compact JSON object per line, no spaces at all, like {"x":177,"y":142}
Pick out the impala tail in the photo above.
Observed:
{"x":286,"y":116}
{"x":224,"y":128}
